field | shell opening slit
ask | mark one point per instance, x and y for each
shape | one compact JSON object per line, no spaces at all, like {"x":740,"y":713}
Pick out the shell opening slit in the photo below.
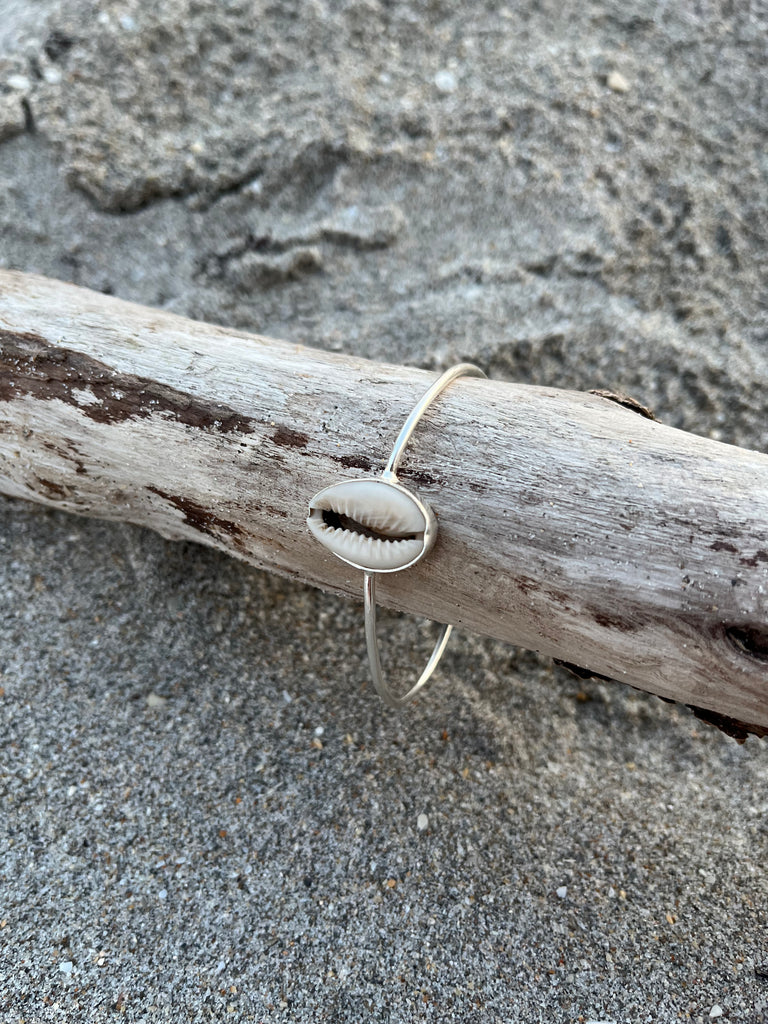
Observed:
{"x":374,"y":524}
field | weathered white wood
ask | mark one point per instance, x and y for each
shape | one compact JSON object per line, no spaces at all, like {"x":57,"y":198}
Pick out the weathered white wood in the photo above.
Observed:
{"x":567,"y":524}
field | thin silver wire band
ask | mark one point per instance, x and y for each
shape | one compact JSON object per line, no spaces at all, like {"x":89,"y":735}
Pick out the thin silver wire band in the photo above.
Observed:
{"x":388,"y":696}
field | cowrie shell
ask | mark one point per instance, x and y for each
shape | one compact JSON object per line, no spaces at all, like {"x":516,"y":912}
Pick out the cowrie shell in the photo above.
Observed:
{"x":373,"y":524}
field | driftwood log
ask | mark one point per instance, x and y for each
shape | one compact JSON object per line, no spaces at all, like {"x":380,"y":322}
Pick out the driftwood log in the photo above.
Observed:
{"x":568,"y":524}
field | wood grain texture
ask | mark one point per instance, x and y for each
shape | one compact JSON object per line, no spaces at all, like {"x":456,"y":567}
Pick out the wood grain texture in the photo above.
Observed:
{"x":568,"y":523}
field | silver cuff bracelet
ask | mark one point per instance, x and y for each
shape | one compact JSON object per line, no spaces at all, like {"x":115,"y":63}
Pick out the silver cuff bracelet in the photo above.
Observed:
{"x":377,"y":525}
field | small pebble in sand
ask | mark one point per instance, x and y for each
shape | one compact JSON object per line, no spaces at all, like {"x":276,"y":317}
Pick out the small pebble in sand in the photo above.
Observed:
{"x":18,"y":82}
{"x":562,"y":892}
{"x":422,"y":822}
{"x":617,"y":82}
{"x":445,"y":81}
{"x":716,"y":1011}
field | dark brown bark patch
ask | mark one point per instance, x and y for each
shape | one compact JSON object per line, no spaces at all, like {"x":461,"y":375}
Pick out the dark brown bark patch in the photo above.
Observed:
{"x":200,"y":517}
{"x":724,"y":545}
{"x":287,"y":438}
{"x":759,"y":556}
{"x":31,"y":366}
{"x":356,"y":462}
